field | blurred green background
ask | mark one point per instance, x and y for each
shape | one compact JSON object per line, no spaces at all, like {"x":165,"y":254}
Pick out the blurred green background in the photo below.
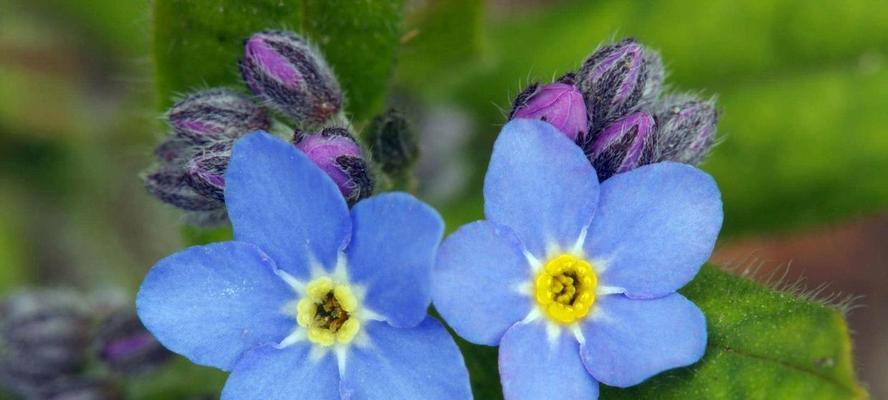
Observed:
{"x":802,"y":86}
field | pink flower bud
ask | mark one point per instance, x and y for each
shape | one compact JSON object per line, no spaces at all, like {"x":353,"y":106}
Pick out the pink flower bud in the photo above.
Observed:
{"x":623,"y":145}
{"x":619,"y":78}
{"x":560,"y":104}
{"x":337,"y":153}
{"x":292,"y":76}
{"x":215,"y":114}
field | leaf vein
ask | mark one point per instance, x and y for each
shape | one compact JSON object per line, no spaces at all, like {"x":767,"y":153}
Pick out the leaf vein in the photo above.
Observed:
{"x":785,"y":364}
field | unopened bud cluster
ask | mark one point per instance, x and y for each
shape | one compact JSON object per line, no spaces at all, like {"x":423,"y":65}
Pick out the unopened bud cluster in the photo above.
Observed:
{"x":287,"y":77}
{"x":612,"y":107}
{"x":393,"y":143}
{"x":192,"y":159}
{"x":51,"y":339}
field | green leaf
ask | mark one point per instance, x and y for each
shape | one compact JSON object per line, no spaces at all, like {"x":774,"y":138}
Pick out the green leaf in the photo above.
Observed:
{"x":197,"y":43}
{"x":359,"y":39}
{"x":441,"y":40}
{"x":762,"y":344}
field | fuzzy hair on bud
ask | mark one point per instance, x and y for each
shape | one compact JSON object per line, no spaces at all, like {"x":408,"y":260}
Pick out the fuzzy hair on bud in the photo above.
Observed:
{"x":623,"y":145}
{"x":291,"y":76}
{"x":617,"y":79}
{"x":190,"y":175}
{"x":393,"y":143}
{"x":215,"y":114}
{"x":172,"y":187}
{"x":205,"y":173}
{"x":686,"y":129}
{"x":339,"y":155}
{"x":560,"y":104}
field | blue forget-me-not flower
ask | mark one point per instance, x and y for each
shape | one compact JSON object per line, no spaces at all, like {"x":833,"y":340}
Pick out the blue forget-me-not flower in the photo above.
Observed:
{"x":310,"y":300}
{"x":575,"y":280}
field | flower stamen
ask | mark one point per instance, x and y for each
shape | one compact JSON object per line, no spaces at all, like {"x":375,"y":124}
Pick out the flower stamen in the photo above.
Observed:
{"x":564,"y":288}
{"x":326,"y":312}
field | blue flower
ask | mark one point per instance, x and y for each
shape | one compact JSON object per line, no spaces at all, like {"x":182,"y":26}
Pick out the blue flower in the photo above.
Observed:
{"x":576,"y":281}
{"x":309,"y":301}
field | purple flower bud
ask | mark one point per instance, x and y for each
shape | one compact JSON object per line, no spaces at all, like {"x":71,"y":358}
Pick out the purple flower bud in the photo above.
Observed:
{"x":560,"y":104}
{"x":338,"y":154}
{"x":288,"y":73}
{"x":190,"y":177}
{"x":172,"y":187}
{"x":393,"y":144}
{"x":172,"y":149}
{"x":215,"y":114}
{"x":617,"y":78}
{"x":205,"y":173}
{"x":623,"y":145}
{"x":686,"y":129}
{"x":43,"y":335}
{"x":126,"y":346}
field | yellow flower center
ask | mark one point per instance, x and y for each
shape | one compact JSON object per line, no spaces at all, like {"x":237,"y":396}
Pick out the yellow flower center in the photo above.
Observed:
{"x":326,"y":312}
{"x":565,"y":288}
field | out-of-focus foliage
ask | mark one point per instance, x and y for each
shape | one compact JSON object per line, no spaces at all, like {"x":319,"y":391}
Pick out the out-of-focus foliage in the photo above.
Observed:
{"x":197,"y":43}
{"x":12,"y":274}
{"x":73,"y":126}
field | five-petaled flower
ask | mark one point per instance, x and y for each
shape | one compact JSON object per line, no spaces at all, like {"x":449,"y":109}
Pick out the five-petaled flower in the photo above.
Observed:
{"x":309,"y":301}
{"x":576,"y":281}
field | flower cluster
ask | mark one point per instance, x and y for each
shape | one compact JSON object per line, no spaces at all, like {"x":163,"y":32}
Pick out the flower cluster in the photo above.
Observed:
{"x":285,"y":74}
{"x":393,"y":143}
{"x":324,"y":291}
{"x":612,"y":107}
{"x":50,"y":338}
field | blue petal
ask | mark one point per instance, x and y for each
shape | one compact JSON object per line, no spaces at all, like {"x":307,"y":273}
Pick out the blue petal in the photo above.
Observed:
{"x":632,"y":340}
{"x":541,"y":185}
{"x":479,"y":269}
{"x":413,"y":363}
{"x":211,"y":303}
{"x":534,"y":367}
{"x":269,"y":373}
{"x":392,"y":252}
{"x":280,"y":201}
{"x":655,"y":227}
